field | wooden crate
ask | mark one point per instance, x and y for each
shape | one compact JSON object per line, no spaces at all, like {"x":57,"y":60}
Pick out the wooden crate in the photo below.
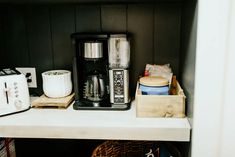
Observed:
{"x":160,"y":105}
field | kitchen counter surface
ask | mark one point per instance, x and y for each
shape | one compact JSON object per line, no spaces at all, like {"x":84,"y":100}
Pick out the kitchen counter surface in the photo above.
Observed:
{"x":81,"y":124}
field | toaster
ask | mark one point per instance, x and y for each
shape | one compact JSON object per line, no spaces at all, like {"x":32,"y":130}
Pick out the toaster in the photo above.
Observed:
{"x":14,"y":92}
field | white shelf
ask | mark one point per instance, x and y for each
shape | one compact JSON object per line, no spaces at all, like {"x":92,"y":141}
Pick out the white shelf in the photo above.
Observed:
{"x":80,"y":124}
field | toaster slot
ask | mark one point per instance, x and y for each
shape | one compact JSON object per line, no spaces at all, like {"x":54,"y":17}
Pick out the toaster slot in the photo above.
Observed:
{"x":6,"y":91}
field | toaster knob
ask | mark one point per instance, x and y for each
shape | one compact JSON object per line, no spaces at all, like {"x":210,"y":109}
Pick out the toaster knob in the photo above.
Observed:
{"x":6,"y":89}
{"x":18,"y":103}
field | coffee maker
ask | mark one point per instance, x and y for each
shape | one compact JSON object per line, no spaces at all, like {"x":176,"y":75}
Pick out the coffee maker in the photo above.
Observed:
{"x":101,"y":71}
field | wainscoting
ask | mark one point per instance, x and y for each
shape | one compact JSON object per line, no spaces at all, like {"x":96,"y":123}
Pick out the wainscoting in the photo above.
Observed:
{"x":39,"y":35}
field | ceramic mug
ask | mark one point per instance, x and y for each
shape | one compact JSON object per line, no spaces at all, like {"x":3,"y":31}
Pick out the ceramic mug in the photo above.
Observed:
{"x":57,"y":83}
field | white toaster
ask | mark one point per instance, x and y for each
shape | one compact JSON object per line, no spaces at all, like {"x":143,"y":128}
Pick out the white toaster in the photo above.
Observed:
{"x":14,"y":93}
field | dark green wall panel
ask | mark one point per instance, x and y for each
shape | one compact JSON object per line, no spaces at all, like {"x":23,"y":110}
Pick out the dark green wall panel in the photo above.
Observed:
{"x":113,"y":18}
{"x":140,"y":24}
{"x":39,"y":35}
{"x":2,"y":42}
{"x":40,"y":44}
{"x":88,"y":18}
{"x":167,"y":21}
{"x":62,"y":25}
{"x":15,"y":39}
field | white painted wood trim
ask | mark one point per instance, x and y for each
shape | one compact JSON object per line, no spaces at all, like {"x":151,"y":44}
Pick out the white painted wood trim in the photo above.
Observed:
{"x":74,"y":124}
{"x":211,"y":83}
{"x":228,"y":125}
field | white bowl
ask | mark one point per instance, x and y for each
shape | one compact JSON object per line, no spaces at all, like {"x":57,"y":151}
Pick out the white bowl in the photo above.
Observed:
{"x":57,"y":83}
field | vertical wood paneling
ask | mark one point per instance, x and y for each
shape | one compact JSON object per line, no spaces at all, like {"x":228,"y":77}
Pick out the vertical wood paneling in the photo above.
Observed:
{"x":62,"y":25}
{"x":2,"y":41}
{"x":14,"y":34}
{"x":140,"y":24}
{"x":113,"y":18}
{"x":88,"y":18}
{"x":167,"y":34}
{"x":39,"y":36}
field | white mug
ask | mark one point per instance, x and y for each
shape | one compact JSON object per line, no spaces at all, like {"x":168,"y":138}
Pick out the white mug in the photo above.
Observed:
{"x":57,"y":83}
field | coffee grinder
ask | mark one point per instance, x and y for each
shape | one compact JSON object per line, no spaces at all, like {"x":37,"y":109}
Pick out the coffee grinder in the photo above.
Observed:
{"x":100,"y":69}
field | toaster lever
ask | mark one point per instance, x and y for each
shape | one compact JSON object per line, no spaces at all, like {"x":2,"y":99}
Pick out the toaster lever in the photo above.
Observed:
{"x":6,"y":91}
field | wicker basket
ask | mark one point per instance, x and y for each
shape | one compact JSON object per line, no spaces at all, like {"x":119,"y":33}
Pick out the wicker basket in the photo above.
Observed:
{"x":134,"y":149}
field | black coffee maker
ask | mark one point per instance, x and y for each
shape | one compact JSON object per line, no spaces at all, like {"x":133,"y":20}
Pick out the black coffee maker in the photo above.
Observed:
{"x":91,"y":73}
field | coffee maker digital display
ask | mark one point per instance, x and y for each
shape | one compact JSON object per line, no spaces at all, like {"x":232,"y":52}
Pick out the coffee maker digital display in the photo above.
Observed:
{"x":101,"y":71}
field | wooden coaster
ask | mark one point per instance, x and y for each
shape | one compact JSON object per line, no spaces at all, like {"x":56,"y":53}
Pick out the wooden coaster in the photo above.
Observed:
{"x":46,"y":102}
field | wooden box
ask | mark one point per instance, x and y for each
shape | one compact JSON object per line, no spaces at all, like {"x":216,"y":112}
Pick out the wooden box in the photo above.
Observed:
{"x":160,"y":105}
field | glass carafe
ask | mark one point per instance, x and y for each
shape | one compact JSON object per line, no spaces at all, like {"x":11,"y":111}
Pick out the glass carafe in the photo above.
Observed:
{"x":94,"y":87}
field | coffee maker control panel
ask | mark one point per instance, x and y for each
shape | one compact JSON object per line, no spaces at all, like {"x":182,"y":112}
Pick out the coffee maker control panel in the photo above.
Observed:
{"x":118,"y":86}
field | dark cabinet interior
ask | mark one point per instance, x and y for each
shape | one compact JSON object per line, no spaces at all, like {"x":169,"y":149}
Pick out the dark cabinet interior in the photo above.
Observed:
{"x":55,"y":147}
{"x":37,"y":34}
